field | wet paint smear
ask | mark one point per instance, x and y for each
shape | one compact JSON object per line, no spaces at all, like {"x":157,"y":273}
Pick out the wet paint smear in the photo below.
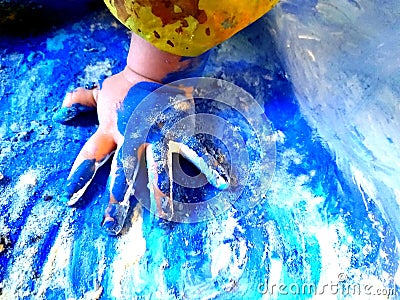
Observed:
{"x":311,"y":227}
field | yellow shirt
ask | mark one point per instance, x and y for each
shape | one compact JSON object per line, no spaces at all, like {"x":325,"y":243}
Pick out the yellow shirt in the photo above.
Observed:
{"x":187,"y":27}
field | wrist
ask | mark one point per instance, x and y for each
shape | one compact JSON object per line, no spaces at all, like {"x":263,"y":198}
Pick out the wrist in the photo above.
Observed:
{"x":152,"y":64}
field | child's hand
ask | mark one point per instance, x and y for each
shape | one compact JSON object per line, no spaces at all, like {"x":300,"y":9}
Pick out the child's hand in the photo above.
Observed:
{"x":108,"y":102}
{"x":115,"y":103}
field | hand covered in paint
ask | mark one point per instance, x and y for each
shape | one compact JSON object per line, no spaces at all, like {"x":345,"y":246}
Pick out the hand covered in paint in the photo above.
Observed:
{"x":159,"y":147}
{"x":112,"y":114}
{"x":114,"y":103}
{"x":185,"y":161}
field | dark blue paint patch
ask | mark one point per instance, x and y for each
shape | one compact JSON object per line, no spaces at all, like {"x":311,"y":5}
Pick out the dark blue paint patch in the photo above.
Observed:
{"x":27,"y":18}
{"x":194,"y":69}
{"x":45,"y":248}
{"x":135,"y":95}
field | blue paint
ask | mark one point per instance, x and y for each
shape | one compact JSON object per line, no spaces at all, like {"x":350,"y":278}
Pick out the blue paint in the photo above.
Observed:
{"x":65,"y":114}
{"x":57,"y":43}
{"x":136,"y":94}
{"x":183,"y":250}
{"x":194,"y":69}
{"x":78,"y":179}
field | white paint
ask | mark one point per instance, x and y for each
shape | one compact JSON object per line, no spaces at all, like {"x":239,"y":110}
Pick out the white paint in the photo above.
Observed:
{"x":277,"y":136}
{"x":220,"y":257}
{"x":55,"y":272}
{"x":27,"y":180}
{"x":130,"y":248}
{"x":93,"y":72}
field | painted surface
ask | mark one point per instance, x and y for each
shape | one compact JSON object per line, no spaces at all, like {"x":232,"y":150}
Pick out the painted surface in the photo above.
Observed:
{"x":312,"y":229}
{"x":343,"y":62}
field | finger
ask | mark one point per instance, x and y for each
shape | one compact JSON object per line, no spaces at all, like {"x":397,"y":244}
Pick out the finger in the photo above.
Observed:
{"x":160,"y":200}
{"x":93,"y":155}
{"x":198,"y":155}
{"x":85,"y":96}
{"x":119,"y":192}
{"x":162,"y":171}
{"x":76,"y":102}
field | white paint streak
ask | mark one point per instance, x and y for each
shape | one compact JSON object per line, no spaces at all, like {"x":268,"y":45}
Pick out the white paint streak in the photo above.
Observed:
{"x":130,"y":248}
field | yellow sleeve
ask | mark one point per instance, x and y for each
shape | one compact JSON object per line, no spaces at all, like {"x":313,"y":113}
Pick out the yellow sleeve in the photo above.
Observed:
{"x":187,"y":27}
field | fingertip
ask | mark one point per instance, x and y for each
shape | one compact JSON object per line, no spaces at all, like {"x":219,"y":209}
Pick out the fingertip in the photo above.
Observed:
{"x":222,"y":184}
{"x":64,"y":114}
{"x":111,"y":227}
